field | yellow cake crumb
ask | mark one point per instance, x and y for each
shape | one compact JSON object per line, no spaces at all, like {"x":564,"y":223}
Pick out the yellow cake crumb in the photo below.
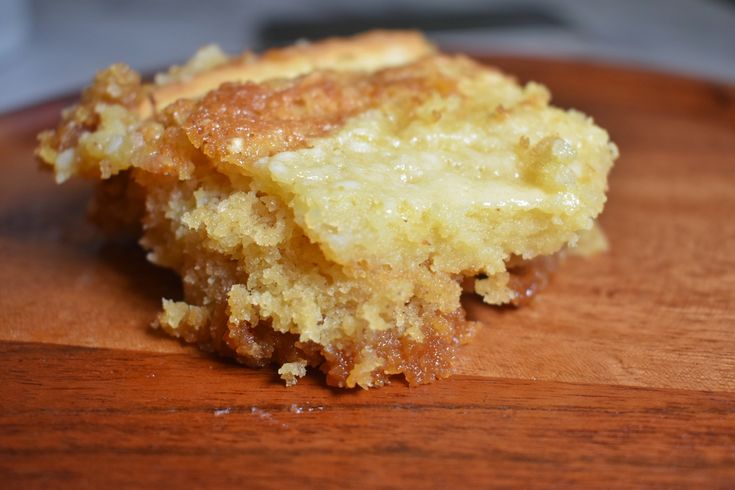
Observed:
{"x":325,"y":205}
{"x":290,"y":372}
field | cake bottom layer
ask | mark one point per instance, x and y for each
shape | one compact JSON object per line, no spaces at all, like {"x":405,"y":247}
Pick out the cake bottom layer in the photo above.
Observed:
{"x":246,"y":302}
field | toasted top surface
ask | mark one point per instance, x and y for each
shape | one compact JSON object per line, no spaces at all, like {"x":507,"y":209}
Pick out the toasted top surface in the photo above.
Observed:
{"x":440,"y":160}
{"x":366,"y":52}
{"x":241,"y":122}
{"x":387,"y":153}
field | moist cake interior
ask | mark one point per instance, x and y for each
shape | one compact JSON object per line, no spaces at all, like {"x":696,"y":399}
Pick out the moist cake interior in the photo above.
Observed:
{"x":327,"y":215}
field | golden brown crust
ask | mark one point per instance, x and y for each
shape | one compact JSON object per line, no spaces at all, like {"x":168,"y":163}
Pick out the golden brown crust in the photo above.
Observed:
{"x":117,"y":85}
{"x":242,"y":122}
{"x":367,"y":52}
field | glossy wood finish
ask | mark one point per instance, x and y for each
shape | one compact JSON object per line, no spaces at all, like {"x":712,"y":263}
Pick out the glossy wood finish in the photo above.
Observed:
{"x":622,"y":373}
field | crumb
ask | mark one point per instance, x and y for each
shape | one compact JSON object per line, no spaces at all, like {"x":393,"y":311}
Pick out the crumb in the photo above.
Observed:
{"x":290,"y":372}
{"x":326,"y":204}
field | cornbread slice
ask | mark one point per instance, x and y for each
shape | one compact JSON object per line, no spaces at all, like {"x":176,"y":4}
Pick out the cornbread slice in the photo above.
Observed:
{"x":324,"y":203}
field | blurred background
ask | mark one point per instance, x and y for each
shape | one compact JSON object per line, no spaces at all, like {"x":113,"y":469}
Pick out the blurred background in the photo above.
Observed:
{"x":48,"y":47}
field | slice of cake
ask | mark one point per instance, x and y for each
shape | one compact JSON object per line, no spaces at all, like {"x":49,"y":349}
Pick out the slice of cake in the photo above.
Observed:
{"x":325,"y":203}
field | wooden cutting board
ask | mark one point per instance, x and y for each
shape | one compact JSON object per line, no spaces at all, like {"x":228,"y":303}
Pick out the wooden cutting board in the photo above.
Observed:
{"x":621,"y":373}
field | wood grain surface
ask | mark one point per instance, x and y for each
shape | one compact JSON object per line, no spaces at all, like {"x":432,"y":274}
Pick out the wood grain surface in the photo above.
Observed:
{"x":622,"y":373}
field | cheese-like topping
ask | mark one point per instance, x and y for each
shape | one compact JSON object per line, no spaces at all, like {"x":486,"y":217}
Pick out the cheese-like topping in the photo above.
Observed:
{"x":469,"y":180}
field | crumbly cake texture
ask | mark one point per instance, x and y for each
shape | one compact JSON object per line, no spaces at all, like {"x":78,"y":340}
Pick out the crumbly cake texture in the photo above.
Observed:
{"x":326,"y":203}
